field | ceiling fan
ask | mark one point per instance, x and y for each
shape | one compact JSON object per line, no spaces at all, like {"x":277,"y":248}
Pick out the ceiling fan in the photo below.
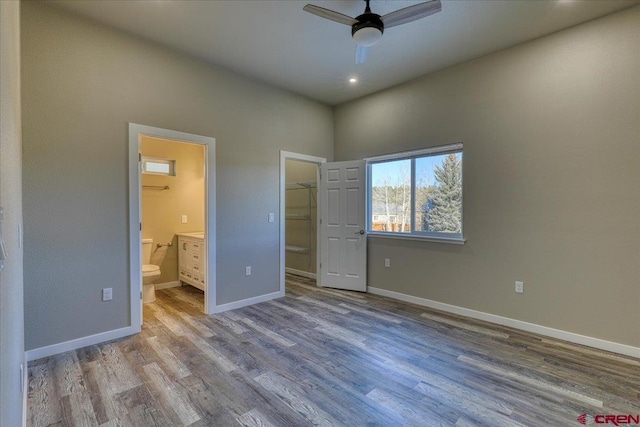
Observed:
{"x":367,"y":29}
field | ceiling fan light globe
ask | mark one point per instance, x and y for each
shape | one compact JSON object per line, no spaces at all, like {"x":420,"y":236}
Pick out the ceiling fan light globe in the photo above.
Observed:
{"x":367,"y":36}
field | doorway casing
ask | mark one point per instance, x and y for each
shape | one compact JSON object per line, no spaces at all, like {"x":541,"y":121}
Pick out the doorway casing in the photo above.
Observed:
{"x":284,"y":156}
{"x":135,"y":268}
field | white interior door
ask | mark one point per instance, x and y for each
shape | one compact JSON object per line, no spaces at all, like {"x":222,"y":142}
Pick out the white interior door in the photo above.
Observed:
{"x":343,"y":259}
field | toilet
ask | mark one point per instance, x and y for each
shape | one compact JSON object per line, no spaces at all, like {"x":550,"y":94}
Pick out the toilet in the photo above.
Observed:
{"x":150,"y":272}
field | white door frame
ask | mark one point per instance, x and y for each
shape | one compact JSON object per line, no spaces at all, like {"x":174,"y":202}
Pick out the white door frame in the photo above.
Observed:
{"x":284,"y":156}
{"x":135,"y":267}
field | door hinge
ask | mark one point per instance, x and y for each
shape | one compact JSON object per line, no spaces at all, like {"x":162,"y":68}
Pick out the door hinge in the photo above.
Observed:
{"x":320,"y":220}
{"x":3,"y":250}
{"x":320,"y":265}
{"x":140,"y":294}
{"x":140,"y":226}
{"x":139,"y":157}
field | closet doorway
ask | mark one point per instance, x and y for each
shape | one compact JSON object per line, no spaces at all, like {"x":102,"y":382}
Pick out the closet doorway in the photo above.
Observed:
{"x":299,"y":217}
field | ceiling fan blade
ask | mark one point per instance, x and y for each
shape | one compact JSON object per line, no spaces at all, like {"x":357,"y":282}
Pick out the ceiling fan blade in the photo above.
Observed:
{"x":411,"y":13}
{"x":362,"y":53}
{"x":329,"y":14}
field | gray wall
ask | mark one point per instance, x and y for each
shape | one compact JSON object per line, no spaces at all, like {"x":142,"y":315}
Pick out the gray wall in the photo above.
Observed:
{"x":551,"y":175}
{"x":11,"y":291}
{"x":82,"y":83}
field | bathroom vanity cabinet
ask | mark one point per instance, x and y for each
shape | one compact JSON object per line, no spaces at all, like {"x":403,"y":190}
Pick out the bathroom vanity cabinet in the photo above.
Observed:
{"x":192,"y":267}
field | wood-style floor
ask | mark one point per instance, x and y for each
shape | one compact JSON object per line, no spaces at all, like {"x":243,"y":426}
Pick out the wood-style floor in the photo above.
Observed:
{"x":326,"y":358}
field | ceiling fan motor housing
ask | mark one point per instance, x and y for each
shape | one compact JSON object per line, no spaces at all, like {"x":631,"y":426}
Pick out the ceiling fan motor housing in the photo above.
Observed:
{"x":368,"y":29}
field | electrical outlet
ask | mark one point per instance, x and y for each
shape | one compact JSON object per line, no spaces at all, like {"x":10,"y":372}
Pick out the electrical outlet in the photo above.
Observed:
{"x":519,"y":287}
{"x":272,"y":216}
{"x":107,"y":294}
{"x":184,"y":219}
{"x":247,"y":270}
{"x":387,"y":263}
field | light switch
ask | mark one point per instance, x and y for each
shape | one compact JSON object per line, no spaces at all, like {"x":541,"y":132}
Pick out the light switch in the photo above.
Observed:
{"x":184,"y":219}
{"x":519,"y":287}
{"x":272,"y":216}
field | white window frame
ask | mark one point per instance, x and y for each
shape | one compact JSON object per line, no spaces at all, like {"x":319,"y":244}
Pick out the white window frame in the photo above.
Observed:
{"x":453,"y":238}
{"x":158,"y":160}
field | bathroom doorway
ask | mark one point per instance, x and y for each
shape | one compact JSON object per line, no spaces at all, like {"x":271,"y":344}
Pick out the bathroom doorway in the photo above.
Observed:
{"x":299,"y":219}
{"x":172,"y":219}
{"x":172,"y":209}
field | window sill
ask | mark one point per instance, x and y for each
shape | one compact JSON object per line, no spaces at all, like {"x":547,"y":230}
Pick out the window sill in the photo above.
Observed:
{"x":448,"y":240}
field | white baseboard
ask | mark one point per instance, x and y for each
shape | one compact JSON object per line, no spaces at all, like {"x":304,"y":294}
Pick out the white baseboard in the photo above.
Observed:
{"x":513,"y":323}
{"x":50,"y":350}
{"x":300,"y":273}
{"x":246,"y":302}
{"x":167,"y":285}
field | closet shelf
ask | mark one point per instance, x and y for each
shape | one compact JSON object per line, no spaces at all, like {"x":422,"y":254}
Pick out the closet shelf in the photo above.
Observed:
{"x":296,"y":249}
{"x":298,"y":216}
{"x":300,"y":185}
{"x":303,"y":215}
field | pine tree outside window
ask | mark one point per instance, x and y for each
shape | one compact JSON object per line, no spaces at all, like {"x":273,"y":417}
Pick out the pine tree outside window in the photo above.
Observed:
{"x":417,"y":194}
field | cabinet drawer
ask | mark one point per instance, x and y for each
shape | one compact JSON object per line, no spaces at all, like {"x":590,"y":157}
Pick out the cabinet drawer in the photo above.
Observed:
{"x":190,"y":246}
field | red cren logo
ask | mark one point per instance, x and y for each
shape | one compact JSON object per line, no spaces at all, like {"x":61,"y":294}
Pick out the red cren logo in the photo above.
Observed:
{"x":585,"y":419}
{"x":616,"y":420}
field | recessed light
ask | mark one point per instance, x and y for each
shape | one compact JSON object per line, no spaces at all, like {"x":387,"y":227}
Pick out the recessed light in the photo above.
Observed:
{"x":353,"y":80}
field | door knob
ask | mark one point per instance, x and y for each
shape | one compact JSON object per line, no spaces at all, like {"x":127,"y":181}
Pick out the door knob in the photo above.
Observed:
{"x":359,"y":232}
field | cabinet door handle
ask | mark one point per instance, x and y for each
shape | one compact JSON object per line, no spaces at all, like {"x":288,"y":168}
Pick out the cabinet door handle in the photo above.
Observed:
{"x":184,"y":246}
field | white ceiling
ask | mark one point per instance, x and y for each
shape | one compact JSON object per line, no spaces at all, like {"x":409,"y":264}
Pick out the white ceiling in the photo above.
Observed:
{"x":277,"y":42}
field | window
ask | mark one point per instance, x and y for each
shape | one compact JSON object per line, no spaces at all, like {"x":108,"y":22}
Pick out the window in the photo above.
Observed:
{"x":417,"y":194}
{"x":156,"y":166}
